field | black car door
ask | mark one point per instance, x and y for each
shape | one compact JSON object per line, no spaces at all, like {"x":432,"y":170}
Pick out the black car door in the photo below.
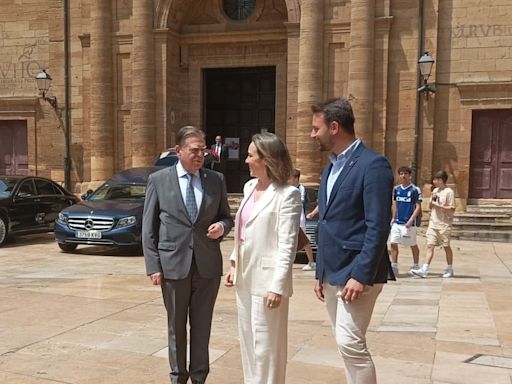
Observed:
{"x":22,"y":212}
{"x":51,"y":202}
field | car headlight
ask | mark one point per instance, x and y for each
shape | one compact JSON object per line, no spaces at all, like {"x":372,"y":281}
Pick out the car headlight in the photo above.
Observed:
{"x":125,"y":221}
{"x":63,"y":218}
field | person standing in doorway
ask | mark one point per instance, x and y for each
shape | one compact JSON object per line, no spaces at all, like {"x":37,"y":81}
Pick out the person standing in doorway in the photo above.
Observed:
{"x":442,"y":208}
{"x":221,"y":155}
{"x":406,"y":212}
{"x":352,"y":264}
{"x":186,"y":215}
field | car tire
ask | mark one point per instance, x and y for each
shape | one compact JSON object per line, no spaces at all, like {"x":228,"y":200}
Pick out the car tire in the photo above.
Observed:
{"x":67,"y":247}
{"x":4,"y":225}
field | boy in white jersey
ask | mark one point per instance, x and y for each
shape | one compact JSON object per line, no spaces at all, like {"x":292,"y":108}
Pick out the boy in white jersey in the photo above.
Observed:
{"x":442,"y":205}
{"x":406,"y":212}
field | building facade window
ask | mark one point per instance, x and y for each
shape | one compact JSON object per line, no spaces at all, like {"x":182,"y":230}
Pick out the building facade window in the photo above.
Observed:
{"x":239,"y":9}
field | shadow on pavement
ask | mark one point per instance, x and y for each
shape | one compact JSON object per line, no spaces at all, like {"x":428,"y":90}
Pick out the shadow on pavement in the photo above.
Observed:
{"x":96,"y":250}
{"x":23,"y":240}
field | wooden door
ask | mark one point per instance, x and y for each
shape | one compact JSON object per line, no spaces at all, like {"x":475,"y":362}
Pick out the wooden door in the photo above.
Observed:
{"x":491,"y":155}
{"x":239,"y":102}
{"x":13,"y":147}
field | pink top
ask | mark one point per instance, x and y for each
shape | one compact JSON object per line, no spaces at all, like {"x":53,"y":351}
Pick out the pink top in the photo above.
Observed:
{"x":245,"y":214}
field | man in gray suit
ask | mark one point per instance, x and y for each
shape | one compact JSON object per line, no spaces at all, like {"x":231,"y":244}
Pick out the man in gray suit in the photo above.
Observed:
{"x":186,"y":214}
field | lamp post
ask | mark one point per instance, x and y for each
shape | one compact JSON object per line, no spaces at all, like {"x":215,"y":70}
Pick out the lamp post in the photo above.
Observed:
{"x":425,"y":64}
{"x":43,"y":81}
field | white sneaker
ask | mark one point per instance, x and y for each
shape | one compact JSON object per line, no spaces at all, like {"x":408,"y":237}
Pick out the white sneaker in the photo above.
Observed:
{"x":448,"y":272}
{"x":420,"y":272}
{"x":311,"y":266}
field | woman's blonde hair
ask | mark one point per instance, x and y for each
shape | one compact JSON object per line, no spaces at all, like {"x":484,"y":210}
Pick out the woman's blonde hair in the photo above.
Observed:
{"x":275,"y":156}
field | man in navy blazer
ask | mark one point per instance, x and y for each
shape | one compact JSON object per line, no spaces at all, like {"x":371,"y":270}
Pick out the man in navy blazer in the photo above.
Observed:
{"x":354,"y":202}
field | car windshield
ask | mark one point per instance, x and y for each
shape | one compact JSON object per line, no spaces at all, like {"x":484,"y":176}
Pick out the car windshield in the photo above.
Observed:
{"x":118,"y":192}
{"x":6,"y":186}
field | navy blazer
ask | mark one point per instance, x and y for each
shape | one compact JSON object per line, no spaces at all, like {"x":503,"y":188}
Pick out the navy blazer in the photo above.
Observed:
{"x":353,"y":226}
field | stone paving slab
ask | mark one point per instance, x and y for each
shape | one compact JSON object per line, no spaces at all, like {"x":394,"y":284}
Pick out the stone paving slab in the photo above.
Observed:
{"x":93,"y":317}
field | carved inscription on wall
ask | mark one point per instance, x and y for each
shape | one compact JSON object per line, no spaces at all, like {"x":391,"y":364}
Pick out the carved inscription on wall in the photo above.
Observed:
{"x":481,"y":30}
{"x":17,"y":71}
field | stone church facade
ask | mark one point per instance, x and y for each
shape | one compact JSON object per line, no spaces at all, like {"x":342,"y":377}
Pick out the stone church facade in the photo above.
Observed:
{"x":141,"y":69}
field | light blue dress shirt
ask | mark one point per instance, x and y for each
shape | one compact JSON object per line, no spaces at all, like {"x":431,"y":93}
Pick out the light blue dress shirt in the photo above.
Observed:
{"x":338,"y":162}
{"x":196,"y":184}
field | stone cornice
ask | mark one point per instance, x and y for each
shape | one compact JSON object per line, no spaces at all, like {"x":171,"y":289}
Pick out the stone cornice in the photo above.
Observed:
{"x":383,"y":22}
{"x":337,"y":27}
{"x":124,"y":38}
{"x":85,"y":40}
{"x":14,"y":105}
{"x":484,"y":92}
{"x":229,"y":37}
{"x":292,"y":28}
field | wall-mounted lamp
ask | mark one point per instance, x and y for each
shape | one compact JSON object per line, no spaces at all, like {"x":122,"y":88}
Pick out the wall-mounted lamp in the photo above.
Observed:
{"x":44,"y":80}
{"x":425,"y":64}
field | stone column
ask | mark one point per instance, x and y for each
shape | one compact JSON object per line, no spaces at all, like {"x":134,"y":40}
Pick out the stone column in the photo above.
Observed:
{"x":143,"y":85}
{"x":361,"y":71}
{"x":310,"y":81}
{"x":102,"y":100}
{"x":161,"y":118}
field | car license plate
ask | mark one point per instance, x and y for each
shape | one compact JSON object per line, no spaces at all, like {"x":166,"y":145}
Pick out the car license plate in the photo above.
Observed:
{"x":88,"y":234}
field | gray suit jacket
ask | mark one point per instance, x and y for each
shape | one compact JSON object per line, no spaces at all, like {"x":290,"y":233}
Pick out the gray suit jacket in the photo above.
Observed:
{"x":169,"y":238}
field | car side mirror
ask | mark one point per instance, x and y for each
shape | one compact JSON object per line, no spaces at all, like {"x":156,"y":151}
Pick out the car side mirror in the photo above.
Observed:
{"x":87,"y":194}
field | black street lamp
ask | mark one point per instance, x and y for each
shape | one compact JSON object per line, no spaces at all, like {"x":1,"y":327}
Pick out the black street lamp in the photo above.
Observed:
{"x":43,"y":81}
{"x":425,"y":64}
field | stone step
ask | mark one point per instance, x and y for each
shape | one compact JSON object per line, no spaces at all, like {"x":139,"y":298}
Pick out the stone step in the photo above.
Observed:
{"x":497,"y":209}
{"x":484,"y":220}
{"x":468,"y":217}
{"x":481,"y":235}
{"x":490,"y":202}
{"x":481,"y":225}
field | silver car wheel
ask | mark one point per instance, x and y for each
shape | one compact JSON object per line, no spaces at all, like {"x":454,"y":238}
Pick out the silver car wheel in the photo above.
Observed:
{"x":3,"y":230}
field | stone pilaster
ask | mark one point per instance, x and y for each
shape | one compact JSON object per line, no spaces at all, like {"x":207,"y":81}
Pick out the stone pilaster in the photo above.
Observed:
{"x":143,"y":85}
{"x":361,"y":71}
{"x":101,"y":114}
{"x":310,"y":88}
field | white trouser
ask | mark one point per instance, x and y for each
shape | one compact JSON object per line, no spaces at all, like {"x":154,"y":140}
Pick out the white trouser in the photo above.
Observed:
{"x":350,"y":322}
{"x":263,"y":338}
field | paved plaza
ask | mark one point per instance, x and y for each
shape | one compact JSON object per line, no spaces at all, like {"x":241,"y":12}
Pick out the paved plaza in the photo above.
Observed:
{"x":93,"y":317}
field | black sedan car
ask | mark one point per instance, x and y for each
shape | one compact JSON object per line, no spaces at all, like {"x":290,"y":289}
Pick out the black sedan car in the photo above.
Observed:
{"x":111,"y":215}
{"x":30,"y":204}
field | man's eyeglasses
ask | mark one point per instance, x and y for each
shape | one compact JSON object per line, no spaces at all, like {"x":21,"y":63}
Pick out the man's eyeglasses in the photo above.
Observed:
{"x":195,"y":150}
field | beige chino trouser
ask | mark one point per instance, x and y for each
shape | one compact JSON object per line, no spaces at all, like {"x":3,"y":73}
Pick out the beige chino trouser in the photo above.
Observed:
{"x":350,"y":322}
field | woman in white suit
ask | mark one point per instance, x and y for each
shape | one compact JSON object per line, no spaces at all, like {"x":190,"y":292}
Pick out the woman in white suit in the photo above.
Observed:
{"x":266,"y":230}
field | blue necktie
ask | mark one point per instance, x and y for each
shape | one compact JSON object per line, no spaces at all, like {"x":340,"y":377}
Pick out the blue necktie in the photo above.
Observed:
{"x":190,"y":199}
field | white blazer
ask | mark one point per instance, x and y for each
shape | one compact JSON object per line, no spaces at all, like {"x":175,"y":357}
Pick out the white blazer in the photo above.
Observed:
{"x":270,"y":241}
